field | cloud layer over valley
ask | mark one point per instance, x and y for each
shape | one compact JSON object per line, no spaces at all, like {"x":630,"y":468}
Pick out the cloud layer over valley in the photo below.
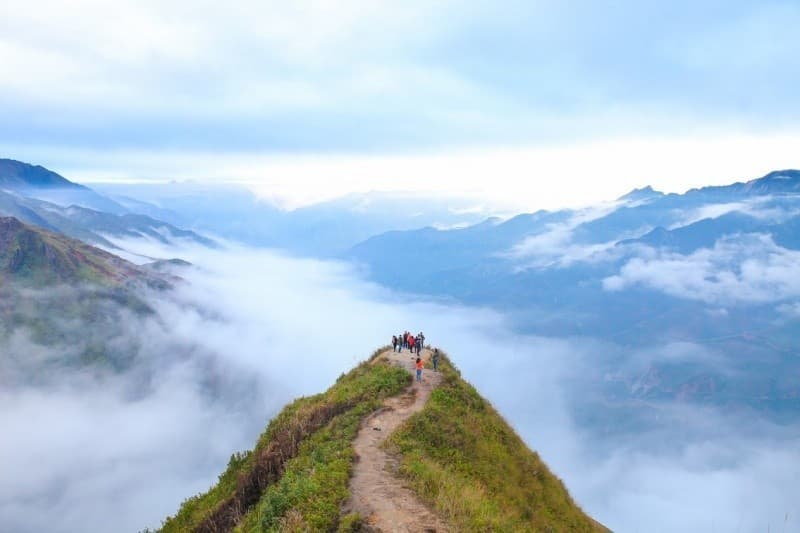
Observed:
{"x":744,"y":268}
{"x":251,"y":330}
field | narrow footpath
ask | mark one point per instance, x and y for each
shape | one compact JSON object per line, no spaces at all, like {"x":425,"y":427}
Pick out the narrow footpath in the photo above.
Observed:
{"x":377,"y":494}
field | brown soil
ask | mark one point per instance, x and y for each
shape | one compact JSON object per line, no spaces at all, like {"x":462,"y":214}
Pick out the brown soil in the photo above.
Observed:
{"x":377,"y":494}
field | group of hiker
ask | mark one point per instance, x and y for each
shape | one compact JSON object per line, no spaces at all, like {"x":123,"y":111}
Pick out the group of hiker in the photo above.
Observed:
{"x":409,"y":341}
{"x":416,"y":345}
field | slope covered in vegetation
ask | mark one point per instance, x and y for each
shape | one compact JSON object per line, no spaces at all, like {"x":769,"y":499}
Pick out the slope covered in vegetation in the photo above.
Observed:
{"x":74,"y":300}
{"x":463,"y":458}
{"x":37,"y":257}
{"x":458,"y":454}
{"x":296,"y":477}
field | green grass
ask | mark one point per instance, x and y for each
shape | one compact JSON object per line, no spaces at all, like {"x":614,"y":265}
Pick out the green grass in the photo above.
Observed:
{"x":309,"y":494}
{"x":463,"y":459}
{"x":315,"y":482}
{"x":194,"y":509}
{"x":457,"y":454}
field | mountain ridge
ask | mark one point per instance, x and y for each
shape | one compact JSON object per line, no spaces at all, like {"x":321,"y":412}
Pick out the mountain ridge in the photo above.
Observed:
{"x":42,"y":197}
{"x":645,"y":193}
{"x":17,"y":174}
{"x":785,"y":181}
{"x":297,"y":476}
{"x":42,"y":183}
{"x":774,"y":182}
{"x":42,"y":257}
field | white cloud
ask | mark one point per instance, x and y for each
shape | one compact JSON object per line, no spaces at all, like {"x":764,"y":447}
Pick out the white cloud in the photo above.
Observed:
{"x":686,"y":494}
{"x":708,"y":211}
{"x":745,"y":268}
{"x":678,"y":352}
{"x":556,"y":246}
{"x":92,"y":459}
{"x":756,"y":207}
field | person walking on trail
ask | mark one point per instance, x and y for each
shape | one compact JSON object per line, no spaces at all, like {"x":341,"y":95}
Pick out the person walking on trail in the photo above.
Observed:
{"x":435,"y":359}
{"x":394,"y":343}
{"x":419,"y":365}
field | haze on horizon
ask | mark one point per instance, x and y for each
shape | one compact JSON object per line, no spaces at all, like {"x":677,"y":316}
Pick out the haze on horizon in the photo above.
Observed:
{"x":539,"y":105}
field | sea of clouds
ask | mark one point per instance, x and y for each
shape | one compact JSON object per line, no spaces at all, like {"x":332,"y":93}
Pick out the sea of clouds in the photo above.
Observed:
{"x":250,"y":330}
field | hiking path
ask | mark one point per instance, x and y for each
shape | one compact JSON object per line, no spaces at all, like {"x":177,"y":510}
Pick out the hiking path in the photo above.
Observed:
{"x":377,"y":493}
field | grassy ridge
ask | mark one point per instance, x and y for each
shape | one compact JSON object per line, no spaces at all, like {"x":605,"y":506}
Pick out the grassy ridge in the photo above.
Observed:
{"x":309,"y":495}
{"x":461,"y":457}
{"x":313,"y":484}
{"x":458,"y":454}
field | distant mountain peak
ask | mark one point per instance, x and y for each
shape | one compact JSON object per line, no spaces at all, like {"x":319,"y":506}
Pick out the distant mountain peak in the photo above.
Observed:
{"x":645,"y":193}
{"x":788,"y":173}
{"x":782,"y":177}
{"x":776,"y":182}
{"x":35,"y":181}
{"x":18,"y":175}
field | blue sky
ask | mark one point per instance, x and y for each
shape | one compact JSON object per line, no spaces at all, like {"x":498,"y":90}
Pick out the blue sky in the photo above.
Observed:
{"x":145,"y":89}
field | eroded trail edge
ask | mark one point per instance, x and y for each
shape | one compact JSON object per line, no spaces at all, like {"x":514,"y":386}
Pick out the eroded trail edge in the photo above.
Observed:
{"x":377,"y":494}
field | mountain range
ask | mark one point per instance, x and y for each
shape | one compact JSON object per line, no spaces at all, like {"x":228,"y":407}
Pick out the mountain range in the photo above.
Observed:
{"x":546,"y":255}
{"x":648,"y":268}
{"x":325,"y":229}
{"x":38,"y":182}
{"x":645,"y":270}
{"x":43,"y":198}
{"x":715,"y":268}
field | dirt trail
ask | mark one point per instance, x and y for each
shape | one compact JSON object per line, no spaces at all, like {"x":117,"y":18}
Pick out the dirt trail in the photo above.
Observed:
{"x":377,"y":494}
